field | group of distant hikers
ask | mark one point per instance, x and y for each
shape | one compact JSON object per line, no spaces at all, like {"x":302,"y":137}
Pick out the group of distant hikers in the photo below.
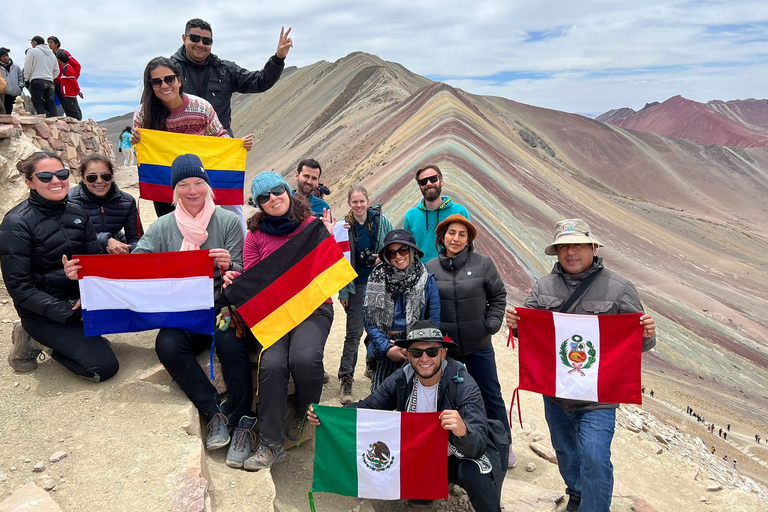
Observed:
{"x":427,"y":300}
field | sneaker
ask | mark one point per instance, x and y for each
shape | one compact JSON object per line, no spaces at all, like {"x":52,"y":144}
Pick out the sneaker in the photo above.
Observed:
{"x":23,"y":355}
{"x":242,"y":440}
{"x":294,"y":426}
{"x":573,"y":503}
{"x":512,"y":458}
{"x":326,"y":378}
{"x":218,"y":431}
{"x":345,"y":395}
{"x":264,"y":457}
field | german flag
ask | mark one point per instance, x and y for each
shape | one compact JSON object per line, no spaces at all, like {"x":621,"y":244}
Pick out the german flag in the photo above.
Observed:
{"x":283,"y":289}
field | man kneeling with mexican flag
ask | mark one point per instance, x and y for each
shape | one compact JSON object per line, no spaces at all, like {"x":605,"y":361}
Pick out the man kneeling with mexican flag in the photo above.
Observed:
{"x":477,"y":448}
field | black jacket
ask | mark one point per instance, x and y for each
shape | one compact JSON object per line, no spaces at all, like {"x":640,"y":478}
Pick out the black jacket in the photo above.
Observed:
{"x":34,"y":235}
{"x":110,"y":214}
{"x":472,"y":299}
{"x":217,"y":79}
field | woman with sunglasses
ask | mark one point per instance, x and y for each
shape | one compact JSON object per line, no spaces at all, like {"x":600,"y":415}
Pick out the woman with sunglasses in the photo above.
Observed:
{"x":35,"y":237}
{"x":300,"y":352}
{"x":165,"y":106}
{"x":112,"y":211}
{"x":399,"y":293}
{"x":472,"y":304}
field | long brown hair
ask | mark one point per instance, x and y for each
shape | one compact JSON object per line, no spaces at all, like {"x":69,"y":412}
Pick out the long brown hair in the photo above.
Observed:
{"x":155,"y":113}
{"x":298,"y":211}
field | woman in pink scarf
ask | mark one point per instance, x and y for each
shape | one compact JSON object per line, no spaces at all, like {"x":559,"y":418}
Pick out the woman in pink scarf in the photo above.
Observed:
{"x":198,"y":224}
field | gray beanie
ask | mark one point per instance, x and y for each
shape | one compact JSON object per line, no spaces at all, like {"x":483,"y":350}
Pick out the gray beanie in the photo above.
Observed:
{"x":266,"y":181}
{"x":187,"y":166}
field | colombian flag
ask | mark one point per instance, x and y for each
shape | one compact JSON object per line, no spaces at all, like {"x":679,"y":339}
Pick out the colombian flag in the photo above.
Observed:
{"x":223,"y":159}
{"x":283,"y":289}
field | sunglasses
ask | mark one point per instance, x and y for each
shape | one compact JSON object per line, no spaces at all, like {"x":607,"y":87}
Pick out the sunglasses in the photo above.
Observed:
{"x":92,"y":178}
{"x":46,"y":177}
{"x":263,"y":198}
{"x":158,"y":82}
{"x":431,"y":352}
{"x":401,"y":251}
{"x":430,"y":179}
{"x":207,"y":41}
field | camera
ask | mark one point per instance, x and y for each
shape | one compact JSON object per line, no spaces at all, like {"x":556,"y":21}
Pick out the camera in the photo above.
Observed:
{"x":367,"y":257}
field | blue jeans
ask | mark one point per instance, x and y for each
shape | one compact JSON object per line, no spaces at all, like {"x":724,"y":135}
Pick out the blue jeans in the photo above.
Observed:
{"x":481,"y":365}
{"x":582,"y":441}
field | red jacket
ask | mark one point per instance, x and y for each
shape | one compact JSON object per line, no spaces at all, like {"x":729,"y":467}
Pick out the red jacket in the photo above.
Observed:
{"x":75,"y":68}
{"x":68,"y":77}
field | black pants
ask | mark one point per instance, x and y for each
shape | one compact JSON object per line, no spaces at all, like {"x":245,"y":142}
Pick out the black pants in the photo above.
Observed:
{"x":42,"y":92}
{"x":298,"y":353}
{"x":177,"y":349}
{"x":89,"y":357}
{"x":9,"y":101}
{"x":162,"y":208}
{"x":71,"y":107}
{"x":355,"y":328}
{"x":483,"y":493}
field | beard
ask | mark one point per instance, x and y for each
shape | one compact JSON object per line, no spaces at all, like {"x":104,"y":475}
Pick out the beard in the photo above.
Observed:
{"x":431,"y":194}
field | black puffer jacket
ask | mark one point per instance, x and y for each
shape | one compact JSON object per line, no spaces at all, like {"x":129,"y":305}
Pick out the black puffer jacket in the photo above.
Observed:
{"x":113,"y":216}
{"x":472,"y":299}
{"x":34,"y":235}
{"x":217,"y":79}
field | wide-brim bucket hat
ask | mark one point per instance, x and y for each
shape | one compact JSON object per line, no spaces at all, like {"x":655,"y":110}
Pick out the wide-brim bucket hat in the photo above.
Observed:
{"x":571,"y":231}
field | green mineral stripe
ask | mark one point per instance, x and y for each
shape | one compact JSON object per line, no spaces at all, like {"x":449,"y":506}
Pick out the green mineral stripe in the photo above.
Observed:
{"x":335,"y":451}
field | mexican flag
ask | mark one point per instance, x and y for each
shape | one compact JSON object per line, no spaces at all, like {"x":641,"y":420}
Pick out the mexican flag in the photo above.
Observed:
{"x":581,"y":357}
{"x":382,"y":455}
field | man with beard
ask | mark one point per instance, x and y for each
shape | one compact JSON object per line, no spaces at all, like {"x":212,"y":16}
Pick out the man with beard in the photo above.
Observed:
{"x":307,"y":180}
{"x":422,"y":219}
{"x":431,"y":382}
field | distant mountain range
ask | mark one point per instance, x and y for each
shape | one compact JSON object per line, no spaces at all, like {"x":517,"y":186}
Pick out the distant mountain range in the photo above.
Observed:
{"x":737,"y":123}
{"x":687,"y":222}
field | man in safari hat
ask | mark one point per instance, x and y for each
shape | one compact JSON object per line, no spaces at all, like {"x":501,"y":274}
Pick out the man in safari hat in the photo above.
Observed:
{"x":582,"y":431}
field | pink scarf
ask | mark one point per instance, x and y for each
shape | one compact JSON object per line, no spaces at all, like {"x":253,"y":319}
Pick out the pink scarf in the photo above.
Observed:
{"x":193,"y":229}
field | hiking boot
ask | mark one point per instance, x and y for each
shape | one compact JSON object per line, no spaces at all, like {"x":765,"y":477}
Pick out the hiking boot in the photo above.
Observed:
{"x":294,"y":426}
{"x":242,"y":440}
{"x":218,"y":430}
{"x":573,"y":503}
{"x":23,"y":355}
{"x":264,"y":457}
{"x":345,"y":395}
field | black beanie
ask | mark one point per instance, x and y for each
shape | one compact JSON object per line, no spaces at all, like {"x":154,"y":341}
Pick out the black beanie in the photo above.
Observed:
{"x":187,"y":166}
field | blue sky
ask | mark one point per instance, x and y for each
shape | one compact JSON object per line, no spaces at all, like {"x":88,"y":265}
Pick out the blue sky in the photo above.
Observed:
{"x":585,"y":57}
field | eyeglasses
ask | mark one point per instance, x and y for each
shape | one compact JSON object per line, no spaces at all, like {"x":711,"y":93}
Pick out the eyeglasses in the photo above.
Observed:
{"x":158,"y":82}
{"x":431,"y":352}
{"x":207,"y":41}
{"x":263,"y":198}
{"x":92,"y":178}
{"x":429,"y":179}
{"x":46,"y":177}
{"x":402,"y":251}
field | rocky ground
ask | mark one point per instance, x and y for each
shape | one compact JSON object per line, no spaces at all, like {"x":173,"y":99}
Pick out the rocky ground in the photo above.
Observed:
{"x":133,"y":443}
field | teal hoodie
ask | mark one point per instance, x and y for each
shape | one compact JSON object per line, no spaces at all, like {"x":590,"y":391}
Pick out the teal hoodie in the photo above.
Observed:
{"x":423,"y":222}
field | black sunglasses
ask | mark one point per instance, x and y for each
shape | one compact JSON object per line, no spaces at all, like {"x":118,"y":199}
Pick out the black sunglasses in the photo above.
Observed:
{"x":401,"y":251}
{"x":430,"y":179}
{"x":207,"y":41}
{"x":46,"y":177}
{"x":431,"y":352}
{"x":92,"y":178}
{"x":158,"y":82}
{"x":263,"y":198}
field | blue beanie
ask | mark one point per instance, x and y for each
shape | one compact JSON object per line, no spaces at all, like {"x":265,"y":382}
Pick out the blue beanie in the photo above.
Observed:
{"x":187,"y":166}
{"x":266,"y":181}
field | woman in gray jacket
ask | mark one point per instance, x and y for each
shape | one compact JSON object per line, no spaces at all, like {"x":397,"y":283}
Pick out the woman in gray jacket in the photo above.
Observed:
{"x":472,"y":302}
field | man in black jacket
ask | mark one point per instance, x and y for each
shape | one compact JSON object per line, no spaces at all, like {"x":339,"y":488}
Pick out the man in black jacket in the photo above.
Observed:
{"x":432,"y":382}
{"x":209,"y":77}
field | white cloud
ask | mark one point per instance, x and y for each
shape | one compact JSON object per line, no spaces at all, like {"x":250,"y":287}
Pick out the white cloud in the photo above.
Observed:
{"x":595,"y":55}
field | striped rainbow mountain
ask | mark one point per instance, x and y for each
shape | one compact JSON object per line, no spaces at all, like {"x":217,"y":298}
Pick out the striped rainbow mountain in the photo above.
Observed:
{"x":687,"y":223}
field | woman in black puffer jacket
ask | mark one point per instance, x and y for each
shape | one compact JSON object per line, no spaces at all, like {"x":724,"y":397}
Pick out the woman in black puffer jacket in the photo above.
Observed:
{"x":35,"y":237}
{"x":112,"y":211}
{"x":472,"y":302}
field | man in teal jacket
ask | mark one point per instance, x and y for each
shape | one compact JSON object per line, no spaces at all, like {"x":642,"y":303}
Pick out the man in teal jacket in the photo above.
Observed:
{"x":422,"y":219}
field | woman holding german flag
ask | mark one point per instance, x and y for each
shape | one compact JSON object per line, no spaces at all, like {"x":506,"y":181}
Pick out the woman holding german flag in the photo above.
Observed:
{"x":282,"y":218}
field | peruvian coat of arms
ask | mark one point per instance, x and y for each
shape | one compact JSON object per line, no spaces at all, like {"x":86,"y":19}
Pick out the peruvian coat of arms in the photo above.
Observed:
{"x":577,"y":354}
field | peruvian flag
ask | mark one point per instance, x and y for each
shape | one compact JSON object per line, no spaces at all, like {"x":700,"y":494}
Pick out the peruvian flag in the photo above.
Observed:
{"x":581,"y":357}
